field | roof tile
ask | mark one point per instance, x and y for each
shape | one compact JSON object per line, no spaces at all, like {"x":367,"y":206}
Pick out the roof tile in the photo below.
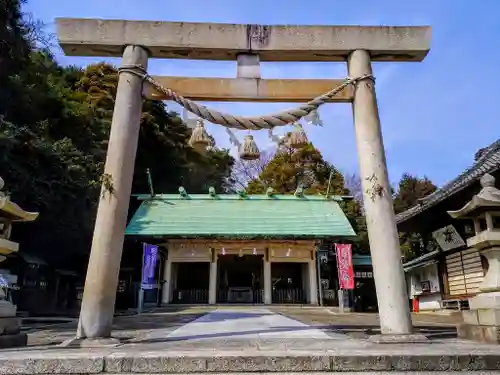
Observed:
{"x":489,"y":162}
{"x":232,"y":216}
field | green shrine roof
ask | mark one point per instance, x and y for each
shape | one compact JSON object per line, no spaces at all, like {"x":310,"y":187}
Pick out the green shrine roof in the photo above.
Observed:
{"x":234,"y":216}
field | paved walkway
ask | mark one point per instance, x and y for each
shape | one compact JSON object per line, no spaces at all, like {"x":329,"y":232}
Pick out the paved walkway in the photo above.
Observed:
{"x":206,"y":325}
{"x":248,"y":323}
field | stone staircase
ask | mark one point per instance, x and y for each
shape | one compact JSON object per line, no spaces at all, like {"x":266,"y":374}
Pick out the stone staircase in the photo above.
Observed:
{"x":268,"y":356}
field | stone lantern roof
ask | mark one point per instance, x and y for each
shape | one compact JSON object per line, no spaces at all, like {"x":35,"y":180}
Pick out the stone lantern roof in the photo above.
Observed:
{"x":484,"y":210}
{"x":488,"y":199}
{"x":11,"y":210}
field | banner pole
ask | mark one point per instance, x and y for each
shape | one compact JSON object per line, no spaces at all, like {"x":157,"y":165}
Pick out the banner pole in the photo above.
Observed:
{"x":318,"y":272}
{"x":340,"y":292}
{"x":140,"y":297}
{"x":148,"y":272}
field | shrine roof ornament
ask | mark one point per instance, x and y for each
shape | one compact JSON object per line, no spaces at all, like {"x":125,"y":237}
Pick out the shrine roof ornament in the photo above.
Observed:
{"x":487,"y":199}
{"x":270,"y":194}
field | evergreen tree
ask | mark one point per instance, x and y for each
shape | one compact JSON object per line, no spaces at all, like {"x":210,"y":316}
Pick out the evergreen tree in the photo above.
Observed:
{"x":410,"y":190}
{"x":54,"y":129}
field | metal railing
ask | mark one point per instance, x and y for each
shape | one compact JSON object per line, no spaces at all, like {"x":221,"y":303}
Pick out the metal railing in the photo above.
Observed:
{"x":190,"y":296}
{"x":288,"y":295}
{"x":279,"y":296}
{"x":257,"y":296}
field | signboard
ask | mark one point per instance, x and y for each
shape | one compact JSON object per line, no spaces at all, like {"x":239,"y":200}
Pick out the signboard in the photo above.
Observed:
{"x":344,"y":266}
{"x":448,"y":238}
{"x":149,"y":258}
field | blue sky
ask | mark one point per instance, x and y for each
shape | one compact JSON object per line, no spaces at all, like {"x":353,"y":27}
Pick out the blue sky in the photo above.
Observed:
{"x":434,"y":114}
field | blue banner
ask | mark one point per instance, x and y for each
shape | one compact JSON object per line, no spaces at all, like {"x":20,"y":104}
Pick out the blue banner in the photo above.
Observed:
{"x":149,"y":258}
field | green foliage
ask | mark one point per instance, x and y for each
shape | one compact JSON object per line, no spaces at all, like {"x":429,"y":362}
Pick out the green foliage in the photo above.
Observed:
{"x":306,"y":167}
{"x":54,"y":129}
{"x":290,"y":168}
{"x":410,"y":190}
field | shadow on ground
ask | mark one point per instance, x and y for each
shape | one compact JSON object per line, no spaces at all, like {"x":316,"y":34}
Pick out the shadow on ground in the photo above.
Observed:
{"x":124,"y":327}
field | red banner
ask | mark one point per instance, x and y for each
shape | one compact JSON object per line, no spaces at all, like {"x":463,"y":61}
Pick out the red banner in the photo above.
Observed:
{"x":344,"y":265}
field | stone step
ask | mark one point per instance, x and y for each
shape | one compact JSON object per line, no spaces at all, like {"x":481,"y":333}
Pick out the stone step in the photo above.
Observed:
{"x":350,"y":373}
{"x":96,"y":361}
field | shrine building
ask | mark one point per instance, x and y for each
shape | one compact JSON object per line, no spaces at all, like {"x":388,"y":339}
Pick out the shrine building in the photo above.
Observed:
{"x":237,"y":248}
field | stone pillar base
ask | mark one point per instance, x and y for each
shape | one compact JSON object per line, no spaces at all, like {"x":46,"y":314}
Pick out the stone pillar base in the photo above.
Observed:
{"x":412,"y":338}
{"x":481,"y":325}
{"x":7,"y":309}
{"x":10,"y":333}
{"x":484,"y":334}
{"x":90,"y":343}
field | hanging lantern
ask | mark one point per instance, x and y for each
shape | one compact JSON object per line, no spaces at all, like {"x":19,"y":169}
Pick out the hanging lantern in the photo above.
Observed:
{"x":298,"y":138}
{"x":200,"y":139}
{"x":249,"y":150}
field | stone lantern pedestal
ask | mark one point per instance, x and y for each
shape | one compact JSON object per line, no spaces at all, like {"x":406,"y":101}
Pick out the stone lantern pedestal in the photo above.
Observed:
{"x":482,"y":321}
{"x":10,"y":324}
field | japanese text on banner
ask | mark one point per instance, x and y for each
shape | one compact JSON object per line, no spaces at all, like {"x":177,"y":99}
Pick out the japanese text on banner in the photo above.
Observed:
{"x":150,"y":256}
{"x":345,"y":267}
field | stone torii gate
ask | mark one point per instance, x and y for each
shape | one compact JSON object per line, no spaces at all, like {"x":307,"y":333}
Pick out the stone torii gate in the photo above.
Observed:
{"x":137,"y":41}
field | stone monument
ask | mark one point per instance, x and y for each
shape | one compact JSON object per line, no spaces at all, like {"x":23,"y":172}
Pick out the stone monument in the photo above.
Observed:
{"x":10,"y":325}
{"x":482,"y":321}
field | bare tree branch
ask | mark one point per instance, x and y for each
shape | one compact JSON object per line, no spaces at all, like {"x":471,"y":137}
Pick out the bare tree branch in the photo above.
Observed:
{"x":353,"y":182}
{"x":246,"y":171}
{"x":36,"y":33}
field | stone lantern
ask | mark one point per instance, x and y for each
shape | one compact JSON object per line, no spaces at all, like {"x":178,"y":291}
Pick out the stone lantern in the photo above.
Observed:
{"x":482,"y":321}
{"x":10,"y":325}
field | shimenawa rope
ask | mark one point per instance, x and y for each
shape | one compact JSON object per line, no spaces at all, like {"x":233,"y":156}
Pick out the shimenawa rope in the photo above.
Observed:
{"x":237,"y":122}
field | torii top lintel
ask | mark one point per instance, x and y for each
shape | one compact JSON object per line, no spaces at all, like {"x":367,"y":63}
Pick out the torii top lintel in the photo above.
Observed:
{"x":216,"y":41}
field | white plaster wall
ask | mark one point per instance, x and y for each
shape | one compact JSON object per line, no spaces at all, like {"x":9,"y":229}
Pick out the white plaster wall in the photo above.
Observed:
{"x":429,"y":302}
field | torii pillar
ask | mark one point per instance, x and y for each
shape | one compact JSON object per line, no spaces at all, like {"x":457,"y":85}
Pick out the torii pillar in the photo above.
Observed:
{"x":99,"y":295}
{"x":394,"y":312}
{"x":359,"y":45}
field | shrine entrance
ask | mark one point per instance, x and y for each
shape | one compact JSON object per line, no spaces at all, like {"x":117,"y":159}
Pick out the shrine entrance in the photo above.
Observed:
{"x":240,"y":279}
{"x":190,"y":282}
{"x":290,"y":282}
